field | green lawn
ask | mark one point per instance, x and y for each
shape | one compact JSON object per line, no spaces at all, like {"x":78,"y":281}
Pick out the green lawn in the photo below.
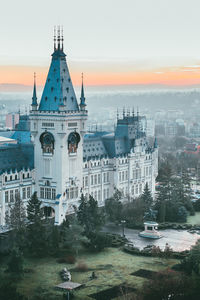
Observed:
{"x":112,"y":267}
{"x":194,"y":220}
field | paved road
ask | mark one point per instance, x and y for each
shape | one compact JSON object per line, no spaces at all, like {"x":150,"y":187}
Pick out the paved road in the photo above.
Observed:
{"x":179,"y":240}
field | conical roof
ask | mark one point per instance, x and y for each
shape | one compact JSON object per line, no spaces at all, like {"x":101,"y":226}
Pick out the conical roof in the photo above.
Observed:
{"x":58,"y":88}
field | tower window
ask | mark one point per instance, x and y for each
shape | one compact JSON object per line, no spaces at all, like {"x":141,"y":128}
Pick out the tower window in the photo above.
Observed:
{"x":67,"y":89}
{"x":48,"y":79}
{"x":72,"y":99}
{"x":52,"y":89}
{"x":62,"y":79}
{"x":46,"y":98}
{"x":54,"y":69}
{"x":69,"y":79}
{"x":57,"y":79}
{"x":64,"y":70}
{"x":55,"y":99}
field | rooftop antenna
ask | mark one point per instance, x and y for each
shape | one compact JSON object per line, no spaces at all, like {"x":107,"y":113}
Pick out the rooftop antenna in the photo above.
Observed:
{"x":117,"y":114}
{"x":54,"y":38}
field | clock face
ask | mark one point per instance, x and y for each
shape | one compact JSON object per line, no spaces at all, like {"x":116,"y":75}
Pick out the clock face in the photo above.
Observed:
{"x":73,"y":140}
{"x":47,"y":142}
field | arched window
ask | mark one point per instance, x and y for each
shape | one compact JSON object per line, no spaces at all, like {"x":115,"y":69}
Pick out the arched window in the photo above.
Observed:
{"x":73,"y":140}
{"x":47,"y":142}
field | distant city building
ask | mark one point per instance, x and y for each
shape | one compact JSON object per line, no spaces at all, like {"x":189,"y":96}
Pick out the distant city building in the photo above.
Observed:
{"x":63,"y":160}
{"x":12,"y":119}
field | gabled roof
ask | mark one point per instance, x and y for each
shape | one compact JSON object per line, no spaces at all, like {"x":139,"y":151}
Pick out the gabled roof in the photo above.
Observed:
{"x":58,"y":90}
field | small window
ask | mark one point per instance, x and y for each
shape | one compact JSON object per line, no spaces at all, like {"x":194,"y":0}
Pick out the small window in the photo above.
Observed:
{"x":55,"y":99}
{"x":45,"y":98}
{"x":57,"y":79}
{"x":69,"y":79}
{"x":52,"y":89}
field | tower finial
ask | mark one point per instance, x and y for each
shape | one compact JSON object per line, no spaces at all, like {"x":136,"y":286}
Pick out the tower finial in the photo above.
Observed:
{"x":123,"y":112}
{"x":58,"y":37}
{"x":54,"y":38}
{"x":62,"y":38}
{"x":34,"y":98}
{"x":133,"y":112}
{"x":82,"y":103}
{"x":117,"y":114}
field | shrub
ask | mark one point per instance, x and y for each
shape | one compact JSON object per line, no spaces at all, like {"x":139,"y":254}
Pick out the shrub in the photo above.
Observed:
{"x":156,"y":251}
{"x":81,"y":267}
{"x":69,"y":259}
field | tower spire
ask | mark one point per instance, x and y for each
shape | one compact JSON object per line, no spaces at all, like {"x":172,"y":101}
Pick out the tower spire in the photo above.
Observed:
{"x":34,"y":98}
{"x":62,"y":39}
{"x":58,"y":37}
{"x":82,"y":103}
{"x":54,"y":38}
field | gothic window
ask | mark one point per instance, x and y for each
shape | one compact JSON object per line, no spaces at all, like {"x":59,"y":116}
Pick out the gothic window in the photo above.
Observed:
{"x":47,"y":142}
{"x":24,"y":193}
{"x":73,"y":140}
{"x":6,"y":196}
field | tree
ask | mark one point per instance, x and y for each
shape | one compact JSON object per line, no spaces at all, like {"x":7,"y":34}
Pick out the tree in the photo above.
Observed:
{"x":147,"y":197}
{"x":89,"y":215}
{"x":73,"y":237}
{"x":113,"y":207}
{"x":192,"y":262}
{"x":36,"y":227}
{"x":16,"y":221}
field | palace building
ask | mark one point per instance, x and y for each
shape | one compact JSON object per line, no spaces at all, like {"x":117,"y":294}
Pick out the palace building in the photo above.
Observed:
{"x":60,"y":160}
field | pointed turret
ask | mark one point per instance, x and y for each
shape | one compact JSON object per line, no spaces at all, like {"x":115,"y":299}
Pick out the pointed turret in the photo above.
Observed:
{"x":82,"y":103}
{"x":155,"y":145}
{"x":58,"y":90}
{"x":34,"y":98}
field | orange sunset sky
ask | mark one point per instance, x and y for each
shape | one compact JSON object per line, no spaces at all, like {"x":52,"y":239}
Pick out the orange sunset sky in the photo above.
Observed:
{"x":176,"y":76}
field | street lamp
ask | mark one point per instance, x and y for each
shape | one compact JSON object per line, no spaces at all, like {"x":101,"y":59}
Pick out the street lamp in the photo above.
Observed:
{"x":123,"y":222}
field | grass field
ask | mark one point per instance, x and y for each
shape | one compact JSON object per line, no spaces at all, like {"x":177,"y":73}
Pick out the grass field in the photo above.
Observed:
{"x":194,"y":220}
{"x":112,"y":267}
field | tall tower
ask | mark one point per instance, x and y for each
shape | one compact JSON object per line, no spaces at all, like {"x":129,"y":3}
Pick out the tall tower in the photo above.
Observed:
{"x":57,"y":128}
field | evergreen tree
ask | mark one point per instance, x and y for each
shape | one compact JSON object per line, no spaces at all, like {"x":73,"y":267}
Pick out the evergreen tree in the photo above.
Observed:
{"x":74,"y":238}
{"x":36,"y":228}
{"x":89,"y":215}
{"x":16,"y":221}
{"x":146,"y":197}
{"x":113,"y":207}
